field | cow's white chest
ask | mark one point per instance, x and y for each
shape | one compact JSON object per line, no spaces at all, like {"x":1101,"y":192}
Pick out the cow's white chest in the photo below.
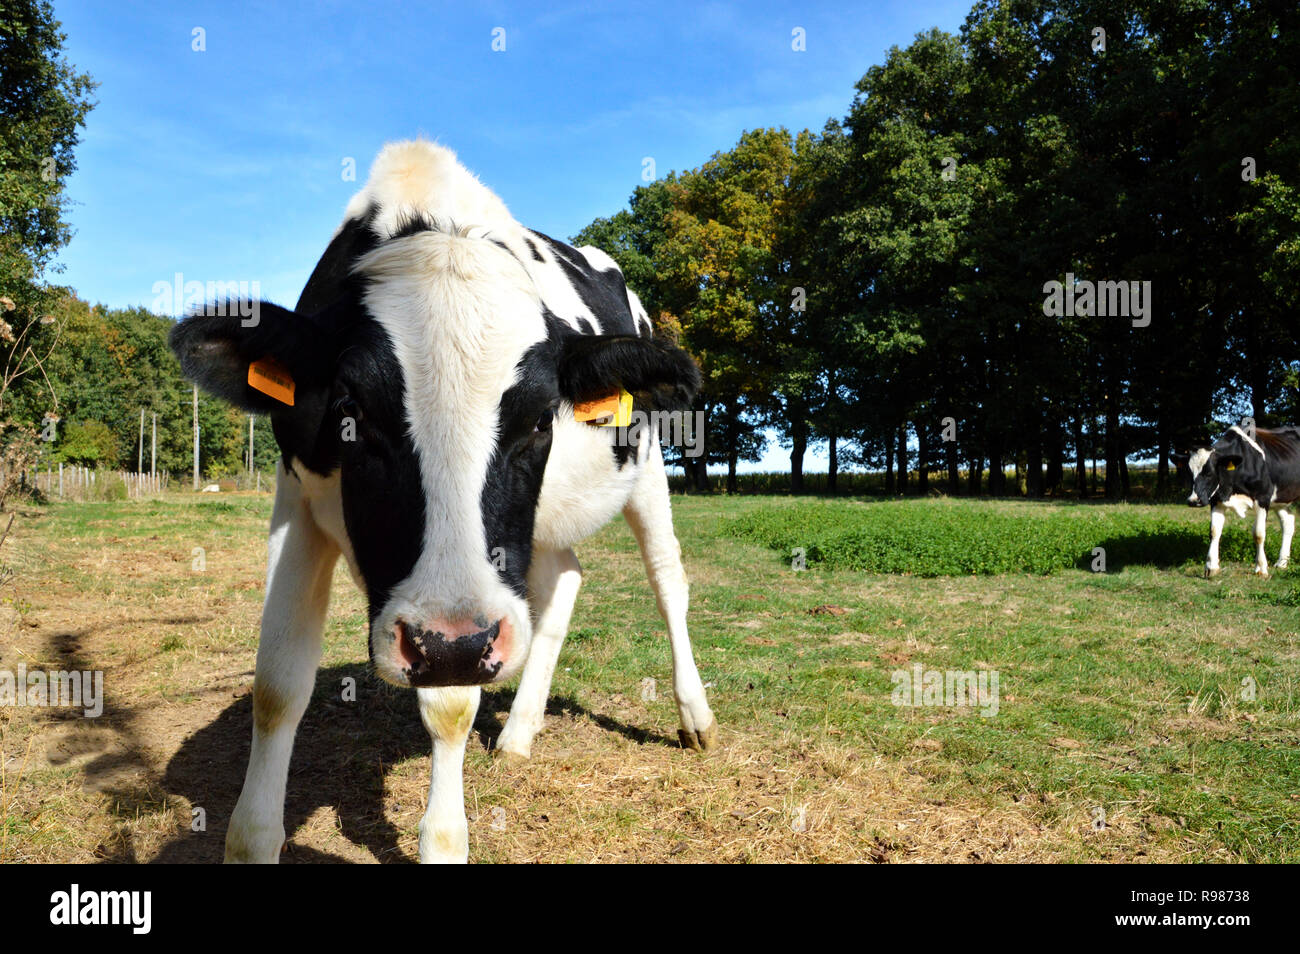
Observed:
{"x":1239,"y":504}
{"x":583,"y":487}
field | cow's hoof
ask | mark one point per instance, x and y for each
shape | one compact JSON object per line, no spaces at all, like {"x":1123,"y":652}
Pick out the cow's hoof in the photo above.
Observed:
{"x":1280,"y":565}
{"x":1211,"y":571}
{"x":510,"y":756}
{"x":1260,"y":571}
{"x":700,"y":741}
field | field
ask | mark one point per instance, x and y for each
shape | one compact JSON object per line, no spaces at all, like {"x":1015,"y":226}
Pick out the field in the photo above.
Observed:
{"x":1143,"y":714}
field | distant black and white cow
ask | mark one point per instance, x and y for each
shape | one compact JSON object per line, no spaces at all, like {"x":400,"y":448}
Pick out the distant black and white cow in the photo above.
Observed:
{"x":435,"y":357}
{"x":1241,"y":472}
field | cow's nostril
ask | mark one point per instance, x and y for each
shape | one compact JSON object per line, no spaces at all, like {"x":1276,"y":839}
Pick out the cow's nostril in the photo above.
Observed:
{"x":408,"y":649}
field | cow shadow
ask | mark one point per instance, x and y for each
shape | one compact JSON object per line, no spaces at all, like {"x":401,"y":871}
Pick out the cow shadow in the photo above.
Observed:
{"x":1164,"y":549}
{"x":342,"y":753}
{"x":1170,"y":548}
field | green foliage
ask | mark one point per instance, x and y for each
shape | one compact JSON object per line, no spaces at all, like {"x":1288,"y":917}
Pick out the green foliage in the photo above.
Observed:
{"x":43,"y":102}
{"x":109,"y":365}
{"x":969,"y":171}
{"x":88,"y":443}
{"x":956,"y":537}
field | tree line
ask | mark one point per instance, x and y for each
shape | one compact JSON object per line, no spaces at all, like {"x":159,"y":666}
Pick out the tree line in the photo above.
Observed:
{"x":75,"y":377}
{"x":1067,"y":233}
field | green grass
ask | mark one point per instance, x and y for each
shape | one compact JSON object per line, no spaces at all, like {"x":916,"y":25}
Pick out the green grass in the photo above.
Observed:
{"x":1168,"y":702}
{"x":955,"y":537}
{"x":1142,"y":666}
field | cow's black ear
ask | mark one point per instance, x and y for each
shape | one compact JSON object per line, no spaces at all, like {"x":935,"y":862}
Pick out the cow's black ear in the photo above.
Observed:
{"x":217,"y":345}
{"x":659,"y":375}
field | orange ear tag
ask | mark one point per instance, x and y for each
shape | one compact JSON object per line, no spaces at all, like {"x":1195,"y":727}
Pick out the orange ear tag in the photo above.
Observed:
{"x":612,"y":410}
{"x":272,"y":378}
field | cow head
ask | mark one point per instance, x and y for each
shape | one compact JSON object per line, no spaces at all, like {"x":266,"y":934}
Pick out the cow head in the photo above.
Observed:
{"x":1219,"y":472}
{"x":428,"y":388}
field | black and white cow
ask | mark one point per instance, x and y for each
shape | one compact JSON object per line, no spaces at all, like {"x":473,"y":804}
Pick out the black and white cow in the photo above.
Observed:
{"x":1241,"y":472}
{"x":436,"y":356}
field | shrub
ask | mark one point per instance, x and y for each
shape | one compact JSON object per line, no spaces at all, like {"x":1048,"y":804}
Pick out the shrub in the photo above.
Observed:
{"x":87,"y":444}
{"x":952,"y":537}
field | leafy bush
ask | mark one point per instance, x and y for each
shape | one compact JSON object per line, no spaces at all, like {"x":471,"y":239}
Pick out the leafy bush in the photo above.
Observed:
{"x":953,"y":538}
{"x":87,"y":444}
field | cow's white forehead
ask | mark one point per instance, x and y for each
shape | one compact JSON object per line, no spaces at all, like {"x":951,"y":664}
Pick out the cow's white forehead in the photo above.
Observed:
{"x":460,"y":313}
{"x":1197,"y":461}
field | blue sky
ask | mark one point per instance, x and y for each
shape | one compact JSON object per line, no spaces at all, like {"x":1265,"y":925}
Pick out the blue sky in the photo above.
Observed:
{"x":227,"y":163}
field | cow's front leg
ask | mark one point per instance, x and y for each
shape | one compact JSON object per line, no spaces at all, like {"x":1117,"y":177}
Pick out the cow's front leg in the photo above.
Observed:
{"x":553,"y":581}
{"x":1261,"y":526}
{"x":299,"y":569}
{"x":649,"y":514}
{"x":1217,"y":517}
{"x":448,"y":713}
{"x":1287,"y":519}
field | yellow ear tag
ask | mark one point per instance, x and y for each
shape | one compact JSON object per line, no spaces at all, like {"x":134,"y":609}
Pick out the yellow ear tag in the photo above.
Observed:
{"x":272,"y":378}
{"x":1229,"y":466}
{"x":612,"y":410}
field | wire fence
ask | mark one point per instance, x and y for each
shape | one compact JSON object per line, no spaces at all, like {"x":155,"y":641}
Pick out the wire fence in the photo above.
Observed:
{"x":70,"y":482}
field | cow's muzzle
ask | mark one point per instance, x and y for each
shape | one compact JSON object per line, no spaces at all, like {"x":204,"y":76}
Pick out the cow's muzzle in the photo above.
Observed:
{"x":451,"y":653}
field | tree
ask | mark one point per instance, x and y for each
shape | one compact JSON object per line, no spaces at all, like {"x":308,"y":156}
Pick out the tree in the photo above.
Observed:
{"x":717,"y":271}
{"x":812,"y":333}
{"x":89,"y":444}
{"x":887,"y":281}
{"x":43,"y":102}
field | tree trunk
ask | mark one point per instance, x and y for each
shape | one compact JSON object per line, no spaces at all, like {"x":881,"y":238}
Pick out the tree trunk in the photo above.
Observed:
{"x":702,"y":484}
{"x":997,"y":472}
{"x":697,"y":468}
{"x":1080,"y":459}
{"x":1113,"y":488}
{"x":976,"y":475}
{"x":1034,"y":467}
{"x":954,"y":468}
{"x":922,"y":459}
{"x":902,"y":459}
{"x":1055,"y":454}
{"x":1162,"y":465}
{"x":799,"y":440}
{"x":889,"y":465}
{"x":833,"y":462}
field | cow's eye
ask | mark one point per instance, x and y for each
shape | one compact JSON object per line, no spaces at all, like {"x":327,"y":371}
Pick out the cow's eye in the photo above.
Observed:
{"x":544,"y":422}
{"x":346,"y":406}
